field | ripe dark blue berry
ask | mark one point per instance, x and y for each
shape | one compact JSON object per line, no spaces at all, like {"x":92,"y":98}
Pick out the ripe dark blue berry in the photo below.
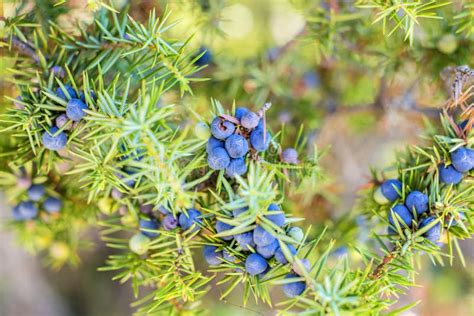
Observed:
{"x":27,"y":210}
{"x":58,"y":71}
{"x":294,"y":288}
{"x":402,"y":212}
{"x":213,"y":143}
{"x":222,"y":227}
{"x":228,"y":256}
{"x":52,"y":205}
{"x":212,"y":257}
{"x":236,"y":167}
{"x":206,"y":57}
{"x":304,"y":262}
{"x":222,"y":129}
{"x":54,"y":142}
{"x":61,"y":120}
{"x":255,"y":264}
{"x":462,"y":159}
{"x":391,"y":188}
{"x":311,"y":79}
{"x":257,"y":139}
{"x":75,"y":109}
{"x":290,"y":155}
{"x":149,"y":224}
{"x":236,"y":146}
{"x":218,"y":159}
{"x":169,"y":222}
{"x":240,"y":112}
{"x":245,"y":240}
{"x":261,"y":237}
{"x":449,"y":174}
{"x":268,"y":251}
{"x":193,"y":216}
{"x":434,"y":233}
{"x":239,"y":211}
{"x":70,"y":90}
{"x":277,"y":219}
{"x":36,"y":192}
{"x":249,"y":120}
{"x":418,"y":201}
{"x":280,"y":256}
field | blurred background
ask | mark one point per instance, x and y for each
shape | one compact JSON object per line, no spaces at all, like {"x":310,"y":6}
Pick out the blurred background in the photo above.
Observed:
{"x":360,"y":95}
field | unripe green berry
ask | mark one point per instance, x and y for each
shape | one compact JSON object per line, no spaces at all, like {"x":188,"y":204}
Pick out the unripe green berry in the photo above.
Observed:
{"x":296,"y":233}
{"x":202,"y":131}
{"x":139,"y":243}
{"x":447,"y":44}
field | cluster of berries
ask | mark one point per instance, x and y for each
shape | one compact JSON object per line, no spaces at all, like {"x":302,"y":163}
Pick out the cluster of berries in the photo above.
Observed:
{"x":259,"y":248}
{"x":150,"y":225}
{"x":462,"y":161}
{"x":76,"y":104}
{"x":416,"y":202}
{"x":229,"y":143}
{"x":37,"y":200}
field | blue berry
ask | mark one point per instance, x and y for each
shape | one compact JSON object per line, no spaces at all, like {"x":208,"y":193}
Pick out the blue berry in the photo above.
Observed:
{"x":403,"y":213}
{"x":255,"y":264}
{"x":390,"y":189}
{"x":222,"y":227}
{"x":82,"y":96}
{"x":222,"y":129}
{"x":163,"y":210}
{"x":54,"y":142}
{"x":463,"y":124}
{"x":218,"y":159}
{"x":256,"y":139}
{"x":245,"y":240}
{"x":269,"y":250}
{"x":205,"y":59}
{"x":290,"y":155}
{"x":261,"y":237}
{"x":212,"y":257}
{"x":36,"y":192}
{"x":16,"y":213}
{"x":462,"y":159}
{"x":277,"y":219}
{"x":52,"y":205}
{"x":311,"y":79}
{"x":239,"y":113}
{"x":149,"y":224}
{"x":239,"y":211}
{"x":62,"y":120}
{"x":58,"y":71}
{"x":434,"y":233}
{"x":27,"y":210}
{"x":169,"y":222}
{"x":280,"y":256}
{"x":249,"y":120}
{"x":75,"y":109}
{"x":236,"y":167}
{"x":70,"y":90}
{"x":294,"y":288}
{"x":236,"y":146}
{"x":449,"y":175}
{"x":296,"y":233}
{"x":213,"y":143}
{"x":306,"y":264}
{"x":418,"y":201}
{"x":228,"y":256}
{"x":187,"y":220}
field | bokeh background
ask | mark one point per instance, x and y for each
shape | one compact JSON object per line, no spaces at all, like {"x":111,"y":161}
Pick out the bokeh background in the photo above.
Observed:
{"x":359,"y":106}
